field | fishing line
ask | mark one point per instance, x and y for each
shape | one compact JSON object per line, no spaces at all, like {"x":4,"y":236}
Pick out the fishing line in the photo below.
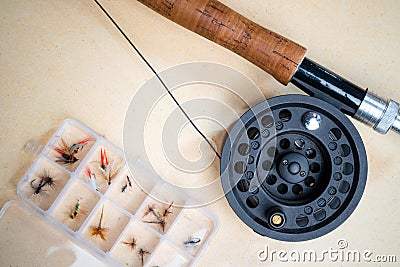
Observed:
{"x":158,"y":77}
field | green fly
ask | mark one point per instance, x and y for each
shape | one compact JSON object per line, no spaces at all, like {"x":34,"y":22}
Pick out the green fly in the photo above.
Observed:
{"x":75,"y":210}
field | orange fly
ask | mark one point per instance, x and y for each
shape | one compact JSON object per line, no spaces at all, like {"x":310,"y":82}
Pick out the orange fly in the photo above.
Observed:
{"x":131,"y":244}
{"x":91,"y":177}
{"x":99,"y":230}
{"x":67,"y":153}
{"x":108,"y":169}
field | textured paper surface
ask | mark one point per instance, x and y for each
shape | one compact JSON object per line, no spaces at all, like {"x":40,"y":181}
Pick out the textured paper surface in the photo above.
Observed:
{"x":61,"y":59}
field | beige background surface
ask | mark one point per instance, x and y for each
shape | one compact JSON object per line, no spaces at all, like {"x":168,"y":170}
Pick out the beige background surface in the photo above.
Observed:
{"x":61,"y":59}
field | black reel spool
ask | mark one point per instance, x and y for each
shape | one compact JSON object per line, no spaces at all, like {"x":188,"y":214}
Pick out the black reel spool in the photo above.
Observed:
{"x":294,"y":172}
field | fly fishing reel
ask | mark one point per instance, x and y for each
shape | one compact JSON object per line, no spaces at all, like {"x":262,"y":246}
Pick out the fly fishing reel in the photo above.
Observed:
{"x":293,"y":168}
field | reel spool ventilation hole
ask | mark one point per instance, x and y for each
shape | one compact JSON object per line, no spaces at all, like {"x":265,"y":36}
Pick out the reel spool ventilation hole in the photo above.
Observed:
{"x":309,"y":163}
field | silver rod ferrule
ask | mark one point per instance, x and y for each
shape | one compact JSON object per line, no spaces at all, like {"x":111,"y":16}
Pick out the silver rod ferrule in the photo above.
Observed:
{"x":382,"y":115}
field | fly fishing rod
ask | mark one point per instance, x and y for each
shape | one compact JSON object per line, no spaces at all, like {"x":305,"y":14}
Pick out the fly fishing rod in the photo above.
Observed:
{"x":282,"y":58}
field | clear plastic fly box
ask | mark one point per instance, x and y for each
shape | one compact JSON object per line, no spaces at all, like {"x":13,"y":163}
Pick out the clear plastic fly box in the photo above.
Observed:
{"x":87,"y":210}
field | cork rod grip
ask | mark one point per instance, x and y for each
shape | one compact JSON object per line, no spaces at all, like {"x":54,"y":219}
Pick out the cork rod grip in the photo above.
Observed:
{"x":213,"y":20}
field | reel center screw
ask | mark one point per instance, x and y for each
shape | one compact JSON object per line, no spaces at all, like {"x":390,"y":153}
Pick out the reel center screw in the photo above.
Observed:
{"x":294,"y":167}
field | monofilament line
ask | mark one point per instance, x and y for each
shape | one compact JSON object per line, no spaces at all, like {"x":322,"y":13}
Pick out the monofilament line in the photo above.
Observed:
{"x":158,"y":77}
